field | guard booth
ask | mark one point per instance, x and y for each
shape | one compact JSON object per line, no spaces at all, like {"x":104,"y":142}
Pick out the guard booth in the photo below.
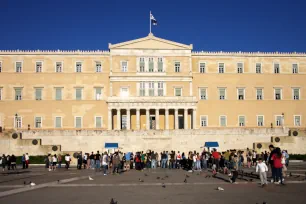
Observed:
{"x":111,"y":147}
{"x":211,"y":145}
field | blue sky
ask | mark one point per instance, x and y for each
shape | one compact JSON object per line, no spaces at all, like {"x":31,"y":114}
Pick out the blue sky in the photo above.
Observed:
{"x":228,"y":25}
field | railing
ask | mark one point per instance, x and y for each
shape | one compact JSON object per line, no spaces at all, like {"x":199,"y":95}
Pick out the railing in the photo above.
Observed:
{"x":167,"y":99}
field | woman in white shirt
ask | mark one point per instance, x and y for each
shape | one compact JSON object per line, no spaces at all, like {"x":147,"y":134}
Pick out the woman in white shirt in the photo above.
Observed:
{"x":54,"y":162}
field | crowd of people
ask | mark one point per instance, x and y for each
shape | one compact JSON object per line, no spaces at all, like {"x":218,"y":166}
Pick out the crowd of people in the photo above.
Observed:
{"x":228,"y":162}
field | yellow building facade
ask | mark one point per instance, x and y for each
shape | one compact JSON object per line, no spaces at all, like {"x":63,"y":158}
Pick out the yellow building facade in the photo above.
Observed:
{"x":151,"y":93}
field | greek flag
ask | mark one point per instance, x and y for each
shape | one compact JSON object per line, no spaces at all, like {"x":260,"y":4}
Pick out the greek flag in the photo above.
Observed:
{"x":153,"y":20}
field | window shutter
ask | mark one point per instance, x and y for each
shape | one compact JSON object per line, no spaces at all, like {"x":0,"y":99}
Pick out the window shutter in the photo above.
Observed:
{"x":260,"y":119}
{"x":241,"y":119}
{"x":296,"y":92}
{"x":78,"y":94}
{"x":58,"y":94}
{"x":222,"y":92}
{"x":78,"y":122}
{"x":98,"y":122}
{"x":38,"y":94}
{"x":58,"y":122}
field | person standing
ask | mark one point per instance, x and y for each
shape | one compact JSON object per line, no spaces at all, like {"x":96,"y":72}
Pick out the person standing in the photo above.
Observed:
{"x":262,"y":169}
{"x":67,"y":161}
{"x":23,"y":161}
{"x":85,"y":161}
{"x":105,"y":163}
{"x":270,"y":160}
{"x":216,"y":158}
{"x":54,"y":162}
{"x":235,"y":169}
{"x":116,"y":163}
{"x":3,"y":162}
{"x":79,"y":164}
{"x":27,"y":160}
{"x":153,"y":160}
{"x":97,"y":160}
{"x":277,"y":164}
{"x":59,"y":160}
{"x":8,"y":160}
{"x":13,"y":162}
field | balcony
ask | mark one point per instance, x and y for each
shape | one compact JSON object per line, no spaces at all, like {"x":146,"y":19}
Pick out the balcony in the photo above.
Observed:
{"x":155,"y":99}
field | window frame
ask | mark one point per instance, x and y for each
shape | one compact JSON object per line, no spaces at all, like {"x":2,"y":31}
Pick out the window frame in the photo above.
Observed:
{"x":151,"y":87}
{"x":263,"y":120}
{"x":244,"y":121}
{"x":206,"y":116}
{"x":75,"y":94}
{"x":121,"y":66}
{"x":175,"y":67}
{"x":200,"y":96}
{"x":76,"y":70}
{"x":75,"y":117}
{"x":21,"y":94}
{"x":160,"y":60}
{"x":299,"y":96}
{"x":62,"y":67}
{"x":225,"y":94}
{"x":42,"y":66}
{"x":262,"y":94}
{"x":279,"y":68}
{"x":1,"y":70}
{"x":55,"y":121}
{"x":238,"y":94}
{"x":16,"y":66}
{"x":201,"y":62}
{"x":96,"y":68}
{"x":98,"y":116}
{"x":242,"y":71}
{"x":294,"y":122}
{"x":40,"y":122}
{"x":260,"y":68}
{"x":128,"y":91}
{"x":162,"y":89}
{"x":144,"y":64}
{"x":35,"y":96}
{"x":61,"y":88}
{"x":220,"y":124}
{"x":281,"y":94}
{"x":175,"y":91}
{"x":297,"y":64}
{"x":281,"y":122}
{"x":15,"y":121}
{"x":1,"y":94}
{"x":219,"y":67}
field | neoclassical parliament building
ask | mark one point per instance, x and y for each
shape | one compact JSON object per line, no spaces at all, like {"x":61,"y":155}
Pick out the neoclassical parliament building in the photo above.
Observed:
{"x":151,"y":93}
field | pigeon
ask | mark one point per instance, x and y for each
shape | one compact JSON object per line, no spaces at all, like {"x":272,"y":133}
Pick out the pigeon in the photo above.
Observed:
{"x":140,"y":180}
{"x":163,"y":185}
{"x":158,"y":177}
{"x":297,"y":176}
{"x":91,"y":179}
{"x":166,"y":176}
{"x":220,"y":189}
{"x":162,"y":179}
{"x":24,"y":183}
{"x":185,"y":181}
{"x":146,"y":174}
{"x":250,"y":180}
{"x":187,"y":176}
{"x":32,"y":184}
{"x":290,"y":174}
{"x":112,"y":201}
{"x":58,"y":181}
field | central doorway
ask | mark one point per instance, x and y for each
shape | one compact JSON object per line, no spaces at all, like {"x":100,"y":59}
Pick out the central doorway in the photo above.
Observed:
{"x":181,"y":122}
{"x":152,"y":123}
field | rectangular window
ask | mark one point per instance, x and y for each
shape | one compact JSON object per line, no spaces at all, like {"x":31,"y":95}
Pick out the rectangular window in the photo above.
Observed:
{"x":18,"y":122}
{"x":58,"y":122}
{"x":241,"y":121}
{"x":295,"y":68}
{"x":297,"y":120}
{"x":38,"y":66}
{"x":160,"y":90}
{"x":177,"y":66}
{"x":151,"y":65}
{"x":38,"y":122}
{"x":59,"y":67}
{"x":203,"y":120}
{"x":296,"y":93}
{"x":0,"y":94}
{"x":78,"y":94}
{"x":58,"y":94}
{"x":78,"y":67}
{"x":18,"y":66}
{"x":123,"y":122}
{"x":202,"y":67}
{"x":240,"y":68}
{"x":18,"y":94}
{"x":222,"y":93}
{"x":278,"y":93}
{"x":259,"y":94}
{"x":221,"y":67}
{"x":78,"y":122}
{"x":276,"y":68}
{"x":223,"y":121}
{"x":38,"y":94}
{"x":260,"y":120}
{"x":124,"y":66}
{"x":203,"y":94}
{"x":160,"y":64}
{"x":142,"y":89}
{"x":98,"y":121}
{"x":178,"y":91}
{"x":141,"y":64}
{"x":278,"y":120}
{"x":240,"y":93}
{"x":151,"y":88}
{"x":124,"y":92}
{"x":98,"y":93}
{"x":98,"y":67}
{"x":258,"y":68}
{"x":0,"y":66}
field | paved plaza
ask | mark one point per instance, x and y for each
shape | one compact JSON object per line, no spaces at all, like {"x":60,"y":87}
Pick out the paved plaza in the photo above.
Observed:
{"x":157,"y":186}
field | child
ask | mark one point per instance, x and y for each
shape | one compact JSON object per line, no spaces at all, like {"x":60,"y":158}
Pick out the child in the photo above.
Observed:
{"x":262,"y":169}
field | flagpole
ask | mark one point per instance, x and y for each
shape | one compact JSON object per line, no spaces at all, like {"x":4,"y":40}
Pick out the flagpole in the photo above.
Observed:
{"x":150,"y":22}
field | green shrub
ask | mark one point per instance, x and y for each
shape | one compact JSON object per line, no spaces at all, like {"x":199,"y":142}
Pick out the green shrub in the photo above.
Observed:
{"x":33,"y":159}
{"x":297,"y":157}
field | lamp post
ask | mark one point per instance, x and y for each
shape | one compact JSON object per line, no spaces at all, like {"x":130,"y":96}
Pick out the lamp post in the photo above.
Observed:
{"x":16,"y":121}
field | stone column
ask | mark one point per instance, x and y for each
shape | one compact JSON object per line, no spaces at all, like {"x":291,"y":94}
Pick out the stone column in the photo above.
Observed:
{"x":194,"y":120}
{"x":167,"y":119}
{"x":185,"y":118}
{"x":137,"y":119}
{"x":118,"y":119}
{"x":176,"y":118}
{"x":148,"y":119}
{"x":110,"y":123}
{"x":128,"y":119}
{"x":157,"y":118}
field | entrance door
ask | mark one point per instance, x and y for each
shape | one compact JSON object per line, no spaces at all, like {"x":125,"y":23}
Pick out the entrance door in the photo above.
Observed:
{"x":181,"y":122}
{"x":152,"y":123}
{"x":123,"y":122}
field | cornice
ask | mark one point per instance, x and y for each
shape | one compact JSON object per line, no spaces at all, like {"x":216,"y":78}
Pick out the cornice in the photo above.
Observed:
{"x":54,"y":52}
{"x":249,"y":54}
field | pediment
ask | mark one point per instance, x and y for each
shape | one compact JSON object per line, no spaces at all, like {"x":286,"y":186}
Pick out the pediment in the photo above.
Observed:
{"x":151,"y":42}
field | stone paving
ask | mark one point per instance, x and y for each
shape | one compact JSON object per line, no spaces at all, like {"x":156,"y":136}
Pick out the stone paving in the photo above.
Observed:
{"x":158,"y":186}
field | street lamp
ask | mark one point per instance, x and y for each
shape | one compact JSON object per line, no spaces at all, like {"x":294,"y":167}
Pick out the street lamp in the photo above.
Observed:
{"x":16,"y":121}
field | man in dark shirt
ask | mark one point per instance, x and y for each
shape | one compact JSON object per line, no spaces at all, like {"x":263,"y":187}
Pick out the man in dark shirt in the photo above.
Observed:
{"x":171,"y":163}
{"x":97,"y":160}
